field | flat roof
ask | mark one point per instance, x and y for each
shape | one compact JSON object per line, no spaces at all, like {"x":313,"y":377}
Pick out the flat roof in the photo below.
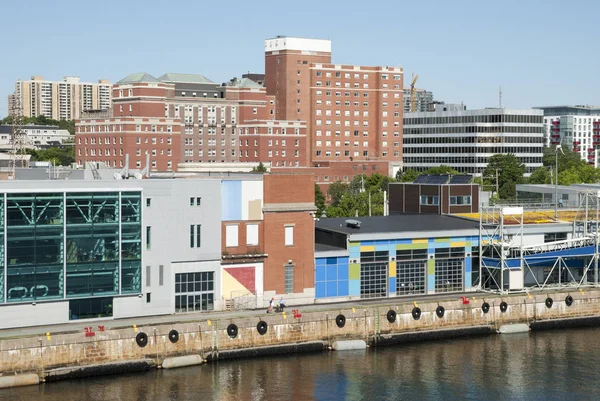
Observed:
{"x":398,"y":223}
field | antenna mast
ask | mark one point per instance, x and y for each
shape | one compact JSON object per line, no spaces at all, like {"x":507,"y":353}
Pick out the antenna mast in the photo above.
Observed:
{"x":500,"y":96}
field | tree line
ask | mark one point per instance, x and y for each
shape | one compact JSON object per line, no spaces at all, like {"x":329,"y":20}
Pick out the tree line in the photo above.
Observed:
{"x":500,"y":176}
{"x":69,"y":125}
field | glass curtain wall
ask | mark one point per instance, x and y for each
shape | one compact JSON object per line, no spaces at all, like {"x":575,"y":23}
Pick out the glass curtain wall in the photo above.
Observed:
{"x":92,"y":244}
{"x":34,"y":246}
{"x":69,"y":245}
{"x":131,"y":242}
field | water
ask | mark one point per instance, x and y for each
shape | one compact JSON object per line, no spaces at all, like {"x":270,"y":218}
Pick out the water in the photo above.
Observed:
{"x":553,"y":365}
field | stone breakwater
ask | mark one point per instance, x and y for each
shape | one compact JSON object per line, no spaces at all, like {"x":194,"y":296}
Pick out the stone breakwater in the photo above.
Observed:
{"x":57,"y":356}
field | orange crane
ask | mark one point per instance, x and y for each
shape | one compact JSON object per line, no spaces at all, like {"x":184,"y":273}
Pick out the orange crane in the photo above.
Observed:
{"x":413,"y":93}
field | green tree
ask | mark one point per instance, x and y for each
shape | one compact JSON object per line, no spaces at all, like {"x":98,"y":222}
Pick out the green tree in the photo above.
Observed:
{"x":69,"y":125}
{"x":566,"y":158}
{"x":319,"y":201}
{"x":407,"y":176}
{"x":61,"y":156}
{"x":442,"y":170}
{"x":540,"y":175}
{"x":353,"y":203}
{"x":260,"y":168}
{"x":335,"y":191}
{"x":509,"y":170}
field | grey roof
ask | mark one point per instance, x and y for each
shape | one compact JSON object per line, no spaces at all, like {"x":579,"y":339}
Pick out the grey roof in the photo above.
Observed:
{"x":398,"y":223}
{"x":185,"y":78}
{"x":138,"y":77}
{"x":248,"y":83}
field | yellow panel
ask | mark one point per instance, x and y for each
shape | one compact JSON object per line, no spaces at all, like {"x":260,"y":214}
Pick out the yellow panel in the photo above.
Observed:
{"x":420,"y":241}
{"x":392,"y":269}
{"x":230,"y":284}
{"x":457,"y":244}
{"x":367,"y":248}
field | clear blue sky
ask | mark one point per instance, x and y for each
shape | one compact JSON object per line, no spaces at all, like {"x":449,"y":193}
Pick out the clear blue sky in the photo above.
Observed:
{"x":540,"y":52}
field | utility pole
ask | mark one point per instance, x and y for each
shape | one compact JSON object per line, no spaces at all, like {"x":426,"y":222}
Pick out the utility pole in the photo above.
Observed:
{"x":497,"y":190}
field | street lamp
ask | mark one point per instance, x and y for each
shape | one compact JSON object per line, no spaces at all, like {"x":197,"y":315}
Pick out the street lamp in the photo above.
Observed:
{"x":558,"y":147}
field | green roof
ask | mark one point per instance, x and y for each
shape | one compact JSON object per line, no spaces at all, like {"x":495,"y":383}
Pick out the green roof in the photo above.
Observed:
{"x":247,"y":83}
{"x":138,"y":77}
{"x":185,"y":78}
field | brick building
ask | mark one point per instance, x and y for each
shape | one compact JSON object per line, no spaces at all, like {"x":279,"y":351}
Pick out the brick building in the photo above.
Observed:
{"x":186,"y":118}
{"x":281,"y":262}
{"x":354,"y":113}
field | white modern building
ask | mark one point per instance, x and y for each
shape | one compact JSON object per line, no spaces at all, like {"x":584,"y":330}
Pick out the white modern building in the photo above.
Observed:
{"x":38,"y":136}
{"x":573,"y":126}
{"x":466,"y":139}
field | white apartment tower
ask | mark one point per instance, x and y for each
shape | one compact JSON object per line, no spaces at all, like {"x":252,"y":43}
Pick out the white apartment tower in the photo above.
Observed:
{"x":576,"y":127}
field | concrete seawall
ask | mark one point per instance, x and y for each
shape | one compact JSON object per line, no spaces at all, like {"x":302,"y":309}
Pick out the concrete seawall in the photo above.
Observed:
{"x":56,"y":356}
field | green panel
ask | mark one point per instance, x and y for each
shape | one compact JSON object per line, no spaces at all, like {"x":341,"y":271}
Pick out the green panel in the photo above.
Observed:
{"x":354,"y":271}
{"x":411,"y":246}
{"x":350,"y":244}
{"x":442,"y":239}
{"x":431,"y":266}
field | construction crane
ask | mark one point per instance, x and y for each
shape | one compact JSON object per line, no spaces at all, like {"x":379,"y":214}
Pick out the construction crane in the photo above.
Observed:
{"x":18,"y":137}
{"x":413,"y":93}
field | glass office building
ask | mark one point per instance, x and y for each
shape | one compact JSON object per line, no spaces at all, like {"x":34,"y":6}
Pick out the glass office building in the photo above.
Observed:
{"x":81,"y":246}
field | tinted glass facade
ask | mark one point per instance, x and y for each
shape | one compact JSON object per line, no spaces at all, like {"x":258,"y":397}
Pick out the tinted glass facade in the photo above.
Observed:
{"x":465,"y":140}
{"x":69,"y":245}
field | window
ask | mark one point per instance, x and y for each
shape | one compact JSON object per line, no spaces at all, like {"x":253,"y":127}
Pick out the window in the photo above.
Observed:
{"x":197,"y":228}
{"x":289,"y":278}
{"x":148,"y":236}
{"x":161,"y":275}
{"x":460,"y":200}
{"x":148,"y":276}
{"x":448,"y":275}
{"x":194,"y":292}
{"x":148,"y":202}
{"x":427,"y":200}
{"x":289,"y":235}
{"x":231,"y":235}
{"x":410,"y":277}
{"x":252,"y":234}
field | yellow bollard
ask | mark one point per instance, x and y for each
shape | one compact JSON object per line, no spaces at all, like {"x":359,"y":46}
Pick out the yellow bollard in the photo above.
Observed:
{"x":353,"y":310}
{"x":135,"y":328}
{"x":48,"y":336}
{"x":284,"y":316}
{"x":209,"y":323}
{"x":415,"y":304}
{"x":529,"y":295}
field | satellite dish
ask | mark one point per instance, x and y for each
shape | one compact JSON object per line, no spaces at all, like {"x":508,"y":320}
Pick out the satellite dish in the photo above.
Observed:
{"x":138,"y":176}
{"x":117,"y":176}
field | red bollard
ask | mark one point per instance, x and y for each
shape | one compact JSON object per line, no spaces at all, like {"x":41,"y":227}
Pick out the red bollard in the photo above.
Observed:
{"x":101,"y":328}
{"x":465,"y":300}
{"x":89,"y":332}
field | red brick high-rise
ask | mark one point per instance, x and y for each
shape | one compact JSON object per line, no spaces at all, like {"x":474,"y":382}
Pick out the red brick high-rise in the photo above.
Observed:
{"x":353,"y":113}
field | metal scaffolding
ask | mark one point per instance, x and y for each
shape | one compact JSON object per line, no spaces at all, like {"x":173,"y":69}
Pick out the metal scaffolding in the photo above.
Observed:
{"x":508,"y":265}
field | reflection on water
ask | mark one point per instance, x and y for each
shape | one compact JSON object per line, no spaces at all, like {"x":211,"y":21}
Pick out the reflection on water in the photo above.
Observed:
{"x":554,"y":365}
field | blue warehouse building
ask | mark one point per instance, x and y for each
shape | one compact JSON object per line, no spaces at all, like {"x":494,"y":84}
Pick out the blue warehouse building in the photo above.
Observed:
{"x":398,"y":255}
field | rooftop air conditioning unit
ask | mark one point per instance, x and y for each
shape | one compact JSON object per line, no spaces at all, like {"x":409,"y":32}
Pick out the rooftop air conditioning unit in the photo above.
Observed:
{"x":353,"y":223}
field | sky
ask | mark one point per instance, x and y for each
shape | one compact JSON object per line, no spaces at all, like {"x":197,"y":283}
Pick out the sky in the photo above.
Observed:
{"x":540,"y":52}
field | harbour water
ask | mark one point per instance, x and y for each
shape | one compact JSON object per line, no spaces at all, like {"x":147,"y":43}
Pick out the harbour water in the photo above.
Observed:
{"x":551,"y":365}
